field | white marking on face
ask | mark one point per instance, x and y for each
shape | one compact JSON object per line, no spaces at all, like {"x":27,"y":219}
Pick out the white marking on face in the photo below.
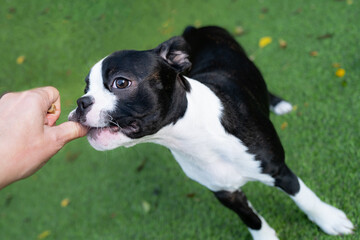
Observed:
{"x":101,"y":137}
{"x":104,"y":100}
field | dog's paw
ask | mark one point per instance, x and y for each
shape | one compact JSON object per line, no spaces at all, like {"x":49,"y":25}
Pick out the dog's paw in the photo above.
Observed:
{"x":331,"y":220}
{"x":265,"y":233}
{"x":282,"y":107}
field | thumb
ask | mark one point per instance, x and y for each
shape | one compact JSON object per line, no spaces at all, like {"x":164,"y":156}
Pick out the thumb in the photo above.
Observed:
{"x":68,"y":131}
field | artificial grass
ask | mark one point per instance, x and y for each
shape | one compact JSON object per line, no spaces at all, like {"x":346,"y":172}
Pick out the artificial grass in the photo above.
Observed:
{"x":109,"y":196}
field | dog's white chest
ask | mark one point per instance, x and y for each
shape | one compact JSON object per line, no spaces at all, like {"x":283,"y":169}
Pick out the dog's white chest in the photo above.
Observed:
{"x":216,"y":169}
{"x":204,"y":150}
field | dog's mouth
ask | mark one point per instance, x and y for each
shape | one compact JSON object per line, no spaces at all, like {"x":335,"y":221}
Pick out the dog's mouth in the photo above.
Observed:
{"x":113,"y":129}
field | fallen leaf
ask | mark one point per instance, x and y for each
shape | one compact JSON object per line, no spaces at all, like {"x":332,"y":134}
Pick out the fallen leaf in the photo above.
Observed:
{"x":45,"y":11}
{"x":20,"y":59}
{"x":349,"y":2}
{"x":238,"y":31}
{"x":65,"y":202}
{"x":264,"y":41}
{"x":71,"y":156}
{"x":336,"y":65}
{"x":12,"y":10}
{"x":197,"y":23}
{"x":264,"y":10}
{"x":190,"y":195}
{"x":295,"y":107}
{"x":297,"y":11}
{"x":101,"y":17}
{"x":325,"y":36}
{"x":142,"y":165}
{"x":282,"y":43}
{"x":314,"y":53}
{"x":44,"y":234}
{"x":252,"y":57}
{"x":167,"y":27}
{"x":146,"y":206}
{"x":284,"y":125}
{"x":340,"y":72}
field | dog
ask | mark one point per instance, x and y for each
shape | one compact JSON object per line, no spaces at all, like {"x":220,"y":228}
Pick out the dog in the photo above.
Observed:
{"x":200,"y":96}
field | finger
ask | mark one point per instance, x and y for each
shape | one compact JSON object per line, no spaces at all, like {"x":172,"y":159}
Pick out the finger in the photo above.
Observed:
{"x":51,"y":96}
{"x":68,"y":131}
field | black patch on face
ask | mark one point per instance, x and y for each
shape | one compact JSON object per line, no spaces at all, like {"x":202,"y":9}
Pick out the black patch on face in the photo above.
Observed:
{"x":155,"y":97}
{"x":87,"y":84}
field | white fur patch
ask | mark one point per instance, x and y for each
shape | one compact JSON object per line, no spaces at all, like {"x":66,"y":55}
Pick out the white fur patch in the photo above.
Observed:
{"x":205,"y":152}
{"x":105,"y":101}
{"x":330,"y":219}
{"x":265,"y":232}
{"x":281,"y":108}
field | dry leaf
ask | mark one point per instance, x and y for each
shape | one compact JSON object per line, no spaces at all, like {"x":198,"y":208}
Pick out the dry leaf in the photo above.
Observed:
{"x":197,"y":23}
{"x":340,"y":72}
{"x":65,"y":202}
{"x":336,"y":65}
{"x":12,"y":10}
{"x":238,"y":31}
{"x":71,"y":156}
{"x":142,"y":165}
{"x":146,"y":206}
{"x":295,"y":107}
{"x":282,"y":43}
{"x":325,"y":36}
{"x":264,"y":41}
{"x":44,"y":234}
{"x":264,"y":10}
{"x":190,"y":195}
{"x":314,"y":53}
{"x":284,"y":125}
{"x":20,"y":59}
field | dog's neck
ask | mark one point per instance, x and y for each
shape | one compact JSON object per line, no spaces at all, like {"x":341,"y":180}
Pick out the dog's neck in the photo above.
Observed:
{"x":202,"y":116}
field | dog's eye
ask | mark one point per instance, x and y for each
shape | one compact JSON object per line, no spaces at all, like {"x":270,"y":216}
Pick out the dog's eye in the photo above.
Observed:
{"x":121,"y":83}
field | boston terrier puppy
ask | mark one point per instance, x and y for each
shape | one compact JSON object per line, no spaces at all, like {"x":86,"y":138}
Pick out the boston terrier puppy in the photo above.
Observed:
{"x":200,"y":96}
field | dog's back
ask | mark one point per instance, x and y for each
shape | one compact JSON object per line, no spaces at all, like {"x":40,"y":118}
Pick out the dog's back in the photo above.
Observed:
{"x":220,"y":62}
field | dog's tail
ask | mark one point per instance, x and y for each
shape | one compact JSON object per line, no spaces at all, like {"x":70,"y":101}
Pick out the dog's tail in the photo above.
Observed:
{"x":278,"y":105}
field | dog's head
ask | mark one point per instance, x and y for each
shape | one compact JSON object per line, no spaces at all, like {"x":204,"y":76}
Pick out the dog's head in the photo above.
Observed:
{"x":133,"y":94}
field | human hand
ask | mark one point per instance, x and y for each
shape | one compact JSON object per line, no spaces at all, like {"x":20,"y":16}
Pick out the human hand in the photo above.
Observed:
{"x":28,"y":135}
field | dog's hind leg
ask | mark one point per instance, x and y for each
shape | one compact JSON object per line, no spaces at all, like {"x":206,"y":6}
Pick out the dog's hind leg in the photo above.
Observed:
{"x":330,"y":219}
{"x":237,"y":201}
{"x":278,"y":105}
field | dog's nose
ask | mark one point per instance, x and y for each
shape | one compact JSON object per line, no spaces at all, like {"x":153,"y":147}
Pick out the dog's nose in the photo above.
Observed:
{"x":85,"y":102}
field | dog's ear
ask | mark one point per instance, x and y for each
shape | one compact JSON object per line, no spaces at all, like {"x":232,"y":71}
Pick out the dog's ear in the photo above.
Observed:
{"x":175,"y":52}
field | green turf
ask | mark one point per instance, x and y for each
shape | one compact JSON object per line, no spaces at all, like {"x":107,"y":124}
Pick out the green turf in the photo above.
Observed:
{"x":61,"y":40}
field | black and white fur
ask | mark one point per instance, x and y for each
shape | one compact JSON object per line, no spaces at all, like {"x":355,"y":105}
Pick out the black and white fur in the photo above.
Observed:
{"x":214,"y":118}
